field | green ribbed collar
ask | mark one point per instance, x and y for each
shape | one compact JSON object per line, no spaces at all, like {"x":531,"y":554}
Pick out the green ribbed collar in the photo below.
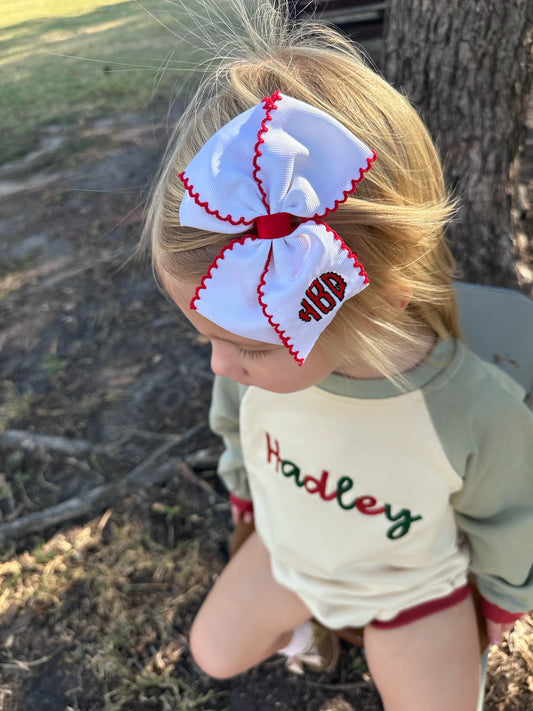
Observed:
{"x":376,"y":388}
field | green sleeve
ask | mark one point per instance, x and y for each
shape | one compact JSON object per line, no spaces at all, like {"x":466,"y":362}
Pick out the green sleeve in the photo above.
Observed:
{"x":487,"y":432}
{"x":495,"y":511}
{"x":224,"y":421}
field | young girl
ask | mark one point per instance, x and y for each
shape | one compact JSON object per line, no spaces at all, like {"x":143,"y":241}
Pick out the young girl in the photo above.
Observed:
{"x":298,"y":224}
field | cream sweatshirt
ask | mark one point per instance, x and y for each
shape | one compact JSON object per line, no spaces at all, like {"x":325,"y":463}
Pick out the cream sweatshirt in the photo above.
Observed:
{"x":371,"y":499}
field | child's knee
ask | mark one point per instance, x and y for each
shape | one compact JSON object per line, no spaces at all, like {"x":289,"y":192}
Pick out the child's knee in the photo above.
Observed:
{"x":207,"y":653}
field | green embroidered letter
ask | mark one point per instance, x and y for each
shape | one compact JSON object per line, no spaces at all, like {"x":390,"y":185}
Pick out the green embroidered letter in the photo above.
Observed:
{"x":404,"y":518}
{"x":290,"y":469}
{"x":344,"y":484}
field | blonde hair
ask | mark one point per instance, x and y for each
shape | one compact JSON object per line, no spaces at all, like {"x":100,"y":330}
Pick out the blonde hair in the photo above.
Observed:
{"x":394,"y":222}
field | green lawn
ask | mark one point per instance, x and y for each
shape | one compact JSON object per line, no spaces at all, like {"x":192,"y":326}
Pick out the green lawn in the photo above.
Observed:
{"x":72,"y":60}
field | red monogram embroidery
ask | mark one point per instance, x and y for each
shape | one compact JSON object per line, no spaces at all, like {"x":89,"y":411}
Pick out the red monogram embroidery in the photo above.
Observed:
{"x":323,"y":295}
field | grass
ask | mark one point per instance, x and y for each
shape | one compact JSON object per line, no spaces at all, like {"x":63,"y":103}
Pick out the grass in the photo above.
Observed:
{"x":77,"y":60}
{"x":112,"y":607}
{"x":12,"y":406}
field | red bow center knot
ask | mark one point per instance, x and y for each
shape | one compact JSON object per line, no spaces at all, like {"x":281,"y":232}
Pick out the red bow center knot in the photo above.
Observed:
{"x":273,"y":226}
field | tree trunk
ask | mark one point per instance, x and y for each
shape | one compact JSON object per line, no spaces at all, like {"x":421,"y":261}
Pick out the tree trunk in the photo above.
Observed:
{"x":466,"y":66}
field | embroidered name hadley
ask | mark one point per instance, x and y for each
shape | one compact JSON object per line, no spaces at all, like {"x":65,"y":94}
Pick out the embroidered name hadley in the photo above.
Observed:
{"x":367,"y":505}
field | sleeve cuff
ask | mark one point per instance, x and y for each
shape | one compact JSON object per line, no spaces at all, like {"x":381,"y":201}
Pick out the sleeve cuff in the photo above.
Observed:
{"x":496,"y":614}
{"x":242,"y":504}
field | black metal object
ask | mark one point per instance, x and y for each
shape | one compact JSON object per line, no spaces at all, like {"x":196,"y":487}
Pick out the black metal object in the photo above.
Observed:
{"x":361,"y":19}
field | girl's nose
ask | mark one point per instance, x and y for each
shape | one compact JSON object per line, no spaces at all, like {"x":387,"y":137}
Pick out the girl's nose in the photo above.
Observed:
{"x":225,"y":360}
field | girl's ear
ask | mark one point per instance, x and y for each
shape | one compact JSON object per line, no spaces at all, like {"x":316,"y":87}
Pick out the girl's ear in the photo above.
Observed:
{"x":403,"y":302}
{"x":399,"y":298}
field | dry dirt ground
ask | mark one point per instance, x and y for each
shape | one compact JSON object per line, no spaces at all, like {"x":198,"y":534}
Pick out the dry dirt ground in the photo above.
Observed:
{"x":95,"y":612}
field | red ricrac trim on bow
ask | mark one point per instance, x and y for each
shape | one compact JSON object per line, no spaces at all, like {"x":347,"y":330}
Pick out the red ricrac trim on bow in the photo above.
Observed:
{"x":357,"y":264}
{"x":269,"y":103}
{"x":350,"y":190}
{"x":276,"y":326}
{"x":214,"y":265}
{"x":196,"y":197}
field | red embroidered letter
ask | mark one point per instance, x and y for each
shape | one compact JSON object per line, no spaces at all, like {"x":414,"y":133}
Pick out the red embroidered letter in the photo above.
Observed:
{"x":271,"y":451}
{"x":308,"y":311}
{"x":313,"y":486}
{"x":321,"y":298}
{"x":335,"y":284}
{"x":366,"y":504}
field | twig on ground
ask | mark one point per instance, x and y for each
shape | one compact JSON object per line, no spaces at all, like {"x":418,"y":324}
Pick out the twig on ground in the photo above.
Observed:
{"x":75,"y":448}
{"x":43,"y":481}
{"x":203,"y":459}
{"x":32,"y":442}
{"x":20,"y":665}
{"x":21,"y":489}
{"x":340,"y":687}
{"x":80,"y":464}
{"x":101,"y":496}
{"x":186,"y":472}
{"x":148,"y":434}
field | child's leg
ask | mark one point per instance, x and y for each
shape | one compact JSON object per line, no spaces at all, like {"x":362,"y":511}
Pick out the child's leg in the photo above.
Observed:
{"x":246,"y":617}
{"x":432,"y":663}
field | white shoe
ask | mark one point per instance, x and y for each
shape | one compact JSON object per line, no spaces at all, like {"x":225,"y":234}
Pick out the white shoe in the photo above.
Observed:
{"x":322,"y":654}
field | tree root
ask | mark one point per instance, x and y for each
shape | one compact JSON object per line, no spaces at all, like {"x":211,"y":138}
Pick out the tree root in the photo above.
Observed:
{"x":144,"y":474}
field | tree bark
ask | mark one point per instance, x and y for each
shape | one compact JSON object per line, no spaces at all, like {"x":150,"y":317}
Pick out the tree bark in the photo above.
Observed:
{"x":466,"y":66}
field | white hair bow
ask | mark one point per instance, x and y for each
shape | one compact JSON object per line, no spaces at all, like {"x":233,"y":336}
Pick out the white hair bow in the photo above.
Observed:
{"x":281,"y":159}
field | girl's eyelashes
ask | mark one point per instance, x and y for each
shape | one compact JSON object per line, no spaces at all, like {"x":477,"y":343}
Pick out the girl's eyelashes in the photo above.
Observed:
{"x":252,"y":354}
